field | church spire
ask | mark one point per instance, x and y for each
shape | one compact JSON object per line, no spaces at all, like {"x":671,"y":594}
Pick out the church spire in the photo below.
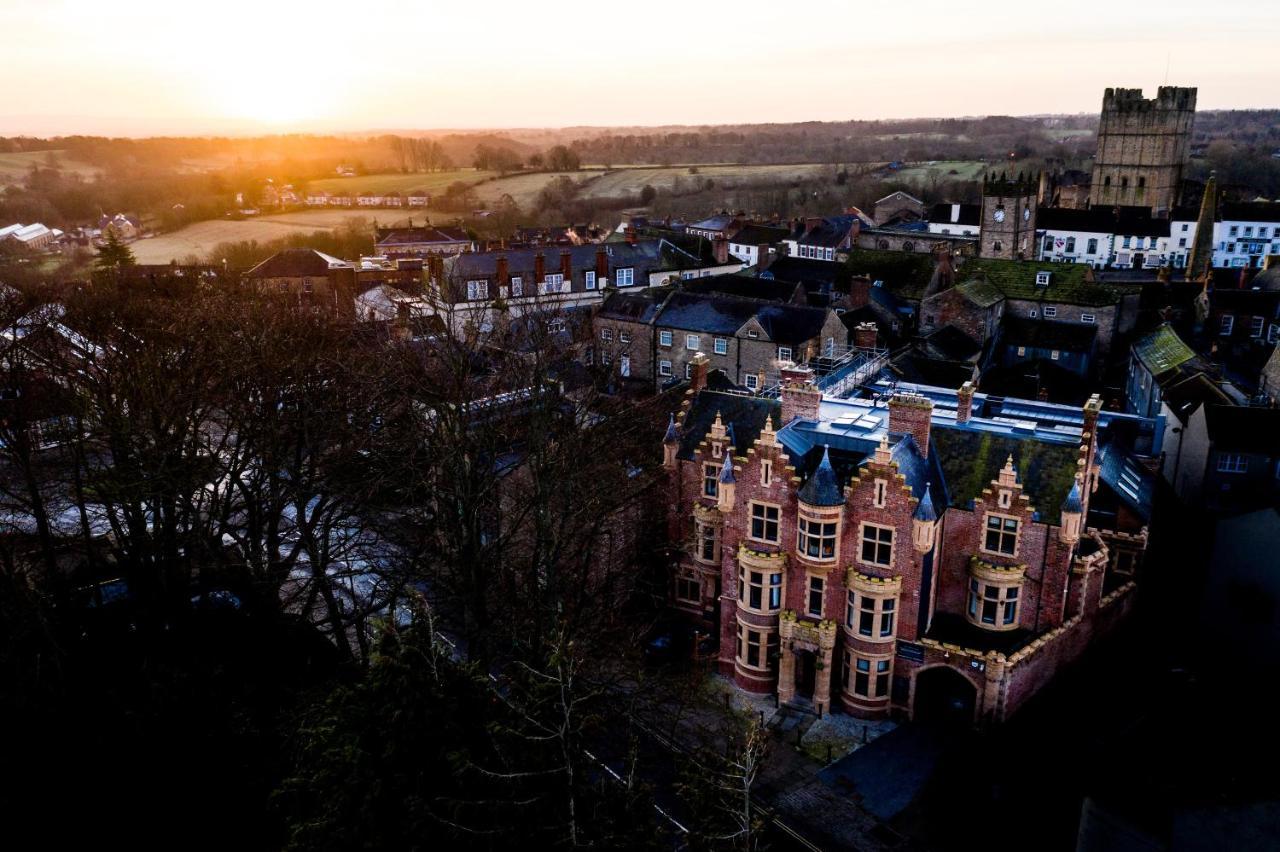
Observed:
{"x":1200,"y":261}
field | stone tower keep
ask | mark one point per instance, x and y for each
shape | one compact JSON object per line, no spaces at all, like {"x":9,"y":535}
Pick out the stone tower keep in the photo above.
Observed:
{"x":1143,"y":145}
{"x":1008,"y":228}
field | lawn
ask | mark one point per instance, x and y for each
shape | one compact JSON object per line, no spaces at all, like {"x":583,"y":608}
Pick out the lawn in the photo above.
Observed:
{"x":524,"y":189}
{"x":200,"y":238}
{"x":396,"y":182}
{"x":15,"y":166}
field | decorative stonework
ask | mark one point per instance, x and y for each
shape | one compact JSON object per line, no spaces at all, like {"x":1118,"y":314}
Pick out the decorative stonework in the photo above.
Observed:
{"x":866,"y":584}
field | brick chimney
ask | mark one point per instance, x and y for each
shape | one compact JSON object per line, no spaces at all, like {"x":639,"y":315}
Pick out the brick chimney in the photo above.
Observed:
{"x":435,"y":269}
{"x":811,"y":222}
{"x":566,"y":267}
{"x":964,"y":403}
{"x":539,"y":268}
{"x":602,"y":265}
{"x":503,"y":273}
{"x":865,"y":335}
{"x":859,"y":292}
{"x":720,"y":249}
{"x":911,"y":414}
{"x":631,"y":235}
{"x":800,"y":397}
{"x":698,"y":368}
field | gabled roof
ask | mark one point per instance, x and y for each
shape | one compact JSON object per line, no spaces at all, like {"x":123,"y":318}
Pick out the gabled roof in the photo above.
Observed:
{"x":755,"y":235}
{"x":745,"y":414}
{"x":1162,"y":350}
{"x":905,"y":274}
{"x":971,"y":460}
{"x":297,"y":263}
{"x":388,"y":237}
{"x":829,"y":232}
{"x":980,"y":292}
{"x":803,"y":270}
{"x":713,"y":314}
{"x":1068,"y":282}
{"x":639,"y":307}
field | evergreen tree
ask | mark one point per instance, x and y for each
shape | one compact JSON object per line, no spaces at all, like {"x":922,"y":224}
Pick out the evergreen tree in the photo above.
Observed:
{"x":113,"y":255}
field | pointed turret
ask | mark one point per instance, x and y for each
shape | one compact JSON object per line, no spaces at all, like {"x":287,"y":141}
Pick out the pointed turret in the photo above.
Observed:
{"x":823,"y":487}
{"x":924,"y":523}
{"x":670,"y":443}
{"x":1072,"y":514}
{"x":727,"y":485}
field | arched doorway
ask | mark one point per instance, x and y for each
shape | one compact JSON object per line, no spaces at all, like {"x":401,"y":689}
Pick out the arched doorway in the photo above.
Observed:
{"x":943,"y":696}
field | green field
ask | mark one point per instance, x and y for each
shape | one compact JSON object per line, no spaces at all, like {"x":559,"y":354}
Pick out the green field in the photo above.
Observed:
{"x":200,"y":238}
{"x":14,"y":167}
{"x":623,"y":183}
{"x":921,"y":172}
{"x":396,"y":182}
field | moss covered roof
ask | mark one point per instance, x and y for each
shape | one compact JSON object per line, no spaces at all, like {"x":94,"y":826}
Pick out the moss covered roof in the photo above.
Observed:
{"x":1162,"y":350}
{"x":905,"y":274}
{"x":971,"y":460}
{"x":981,"y":292}
{"x":1068,"y":282}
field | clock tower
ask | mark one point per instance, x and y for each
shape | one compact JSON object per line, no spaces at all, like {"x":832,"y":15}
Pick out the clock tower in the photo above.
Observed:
{"x":1008,"y":228}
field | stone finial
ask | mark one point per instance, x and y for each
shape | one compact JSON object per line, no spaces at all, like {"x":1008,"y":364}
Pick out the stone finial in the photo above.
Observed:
{"x":768,"y":437}
{"x":884,"y":455}
{"x":718,"y":430}
{"x":1009,"y":474}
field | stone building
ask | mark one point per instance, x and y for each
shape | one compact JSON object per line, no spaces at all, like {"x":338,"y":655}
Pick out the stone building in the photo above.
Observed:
{"x":913,"y":554}
{"x":1143,"y":147}
{"x":1008,"y":228}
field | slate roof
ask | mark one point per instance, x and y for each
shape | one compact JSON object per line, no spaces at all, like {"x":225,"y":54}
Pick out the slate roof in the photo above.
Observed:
{"x":297,"y":263}
{"x":746,"y":414}
{"x":1249,"y":211}
{"x":804,"y":270}
{"x":951,"y":344}
{"x":1244,"y":429}
{"x":755,"y":235}
{"x":828,"y":233}
{"x":427,"y":234}
{"x":744,"y":287}
{"x":822,"y":488}
{"x":641,"y":306}
{"x":714,"y":314}
{"x":924,"y":510}
{"x":1124,"y":475}
{"x":1125,"y":221}
{"x":1047,"y":334}
{"x":972,"y":459}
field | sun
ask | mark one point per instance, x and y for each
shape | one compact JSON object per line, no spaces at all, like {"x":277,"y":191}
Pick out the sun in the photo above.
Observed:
{"x":280,"y":96}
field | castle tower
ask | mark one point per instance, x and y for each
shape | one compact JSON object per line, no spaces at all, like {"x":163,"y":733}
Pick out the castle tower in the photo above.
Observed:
{"x":1008,"y":228}
{"x":1143,"y":146}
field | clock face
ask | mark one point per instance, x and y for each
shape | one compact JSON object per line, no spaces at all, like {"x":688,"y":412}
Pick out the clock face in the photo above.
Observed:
{"x":998,"y":215}
{"x":1026,"y":214}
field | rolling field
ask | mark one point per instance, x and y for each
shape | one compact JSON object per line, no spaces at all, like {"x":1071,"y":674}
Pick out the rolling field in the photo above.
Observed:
{"x":13,"y":167}
{"x":628,"y":182}
{"x":525,"y":188}
{"x":920,"y":172}
{"x":200,"y":238}
{"x":402,"y":183}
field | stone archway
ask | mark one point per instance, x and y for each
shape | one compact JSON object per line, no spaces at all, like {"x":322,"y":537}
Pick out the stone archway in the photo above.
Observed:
{"x":807,"y":649}
{"x":943,"y":696}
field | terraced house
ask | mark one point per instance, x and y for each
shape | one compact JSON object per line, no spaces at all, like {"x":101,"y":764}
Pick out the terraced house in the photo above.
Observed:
{"x":924,"y":553}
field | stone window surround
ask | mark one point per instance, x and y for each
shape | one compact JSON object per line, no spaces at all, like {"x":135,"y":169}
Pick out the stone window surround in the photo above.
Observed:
{"x":768,"y":565}
{"x":848,"y":680}
{"x":1002,"y":578}
{"x":751,"y":514}
{"x":766,"y":646}
{"x":823,"y":515}
{"x":893,"y":544}
{"x":701,"y":524}
{"x":1017,"y":535}
{"x":685,"y":576}
{"x":808,"y":592}
{"x":879,"y":589}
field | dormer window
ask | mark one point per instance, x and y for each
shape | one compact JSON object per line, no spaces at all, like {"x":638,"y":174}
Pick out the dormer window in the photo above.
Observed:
{"x":1042,"y":278}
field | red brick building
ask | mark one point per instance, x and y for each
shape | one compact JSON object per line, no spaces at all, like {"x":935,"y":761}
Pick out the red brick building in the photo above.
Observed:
{"x":927,"y":554}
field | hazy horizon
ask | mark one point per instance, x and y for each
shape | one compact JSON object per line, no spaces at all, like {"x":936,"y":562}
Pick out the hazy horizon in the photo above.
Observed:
{"x":270,"y":68}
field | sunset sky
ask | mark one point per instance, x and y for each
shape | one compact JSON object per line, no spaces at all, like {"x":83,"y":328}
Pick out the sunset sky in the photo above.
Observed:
{"x":246,"y":67}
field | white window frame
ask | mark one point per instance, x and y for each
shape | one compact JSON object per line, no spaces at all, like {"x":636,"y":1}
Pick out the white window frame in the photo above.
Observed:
{"x":751,"y":381}
{"x":784,"y":353}
{"x":624,"y":277}
{"x":1088,"y":319}
{"x":1226,"y":324}
{"x":624,"y":336}
{"x":477,"y":289}
{"x":722,"y":346}
{"x":589,"y":280}
{"x":664,"y":338}
{"x":692,"y":342}
{"x":517,"y":286}
{"x":1050,"y":311}
{"x":1233,"y":463}
{"x":606,"y":334}
{"x":664,"y":368}
{"x":1256,"y":324}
